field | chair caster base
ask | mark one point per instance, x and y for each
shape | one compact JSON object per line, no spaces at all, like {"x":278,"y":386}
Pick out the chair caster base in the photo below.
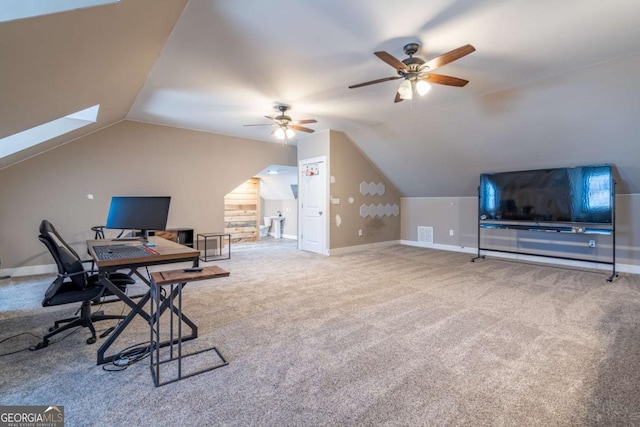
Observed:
{"x":40,"y":345}
{"x":91,"y":340}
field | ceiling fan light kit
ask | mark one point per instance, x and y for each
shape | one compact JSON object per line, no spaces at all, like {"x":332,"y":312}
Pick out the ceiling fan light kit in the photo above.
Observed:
{"x":284,"y":132}
{"x":416,"y":71}
{"x":285,"y":127}
{"x":422,"y":87}
{"x":405,"y":90}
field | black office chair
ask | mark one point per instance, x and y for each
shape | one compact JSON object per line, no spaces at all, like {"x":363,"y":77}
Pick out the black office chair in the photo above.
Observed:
{"x":74,"y":284}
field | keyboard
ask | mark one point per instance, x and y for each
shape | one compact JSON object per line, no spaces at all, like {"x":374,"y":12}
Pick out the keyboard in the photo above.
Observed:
{"x":109,"y":252}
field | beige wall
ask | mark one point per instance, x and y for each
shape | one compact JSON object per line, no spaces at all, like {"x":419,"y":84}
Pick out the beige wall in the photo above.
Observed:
{"x":195,"y":168}
{"x":460,"y":214}
{"x":349,"y":167}
{"x":316,"y":145}
{"x":443,"y":214}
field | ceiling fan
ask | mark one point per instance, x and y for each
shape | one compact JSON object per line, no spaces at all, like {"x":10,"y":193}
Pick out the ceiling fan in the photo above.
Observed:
{"x":416,"y":72}
{"x":284,"y":126}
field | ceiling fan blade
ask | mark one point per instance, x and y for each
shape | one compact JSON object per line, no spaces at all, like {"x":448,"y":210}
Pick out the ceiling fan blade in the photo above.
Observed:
{"x":450,"y":56}
{"x":270,"y":118}
{"x":264,"y":124}
{"x":398,"y":99}
{"x":391,"y":60}
{"x":386,"y":79}
{"x":304,"y":122}
{"x":301,"y":128}
{"x":444,"y":80}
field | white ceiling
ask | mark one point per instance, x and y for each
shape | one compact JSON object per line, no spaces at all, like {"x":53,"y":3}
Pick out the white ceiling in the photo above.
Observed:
{"x":552,"y":82}
{"x":227,"y":63}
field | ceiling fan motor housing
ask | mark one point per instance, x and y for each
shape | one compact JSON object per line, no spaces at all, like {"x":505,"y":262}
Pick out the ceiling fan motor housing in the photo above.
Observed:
{"x":414,"y":67}
{"x":282,"y":118}
{"x":411,"y":48}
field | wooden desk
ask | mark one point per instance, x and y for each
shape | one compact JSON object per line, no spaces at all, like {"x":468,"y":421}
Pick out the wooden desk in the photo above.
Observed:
{"x":166,"y":252}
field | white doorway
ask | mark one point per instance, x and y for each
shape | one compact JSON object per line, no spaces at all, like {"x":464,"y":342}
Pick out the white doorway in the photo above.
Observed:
{"x":313,"y":207}
{"x":279,"y":199}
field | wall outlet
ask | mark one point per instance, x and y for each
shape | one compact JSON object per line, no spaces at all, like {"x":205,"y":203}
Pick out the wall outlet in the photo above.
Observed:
{"x":360,"y":232}
{"x":592,"y":243}
{"x":451,"y":233}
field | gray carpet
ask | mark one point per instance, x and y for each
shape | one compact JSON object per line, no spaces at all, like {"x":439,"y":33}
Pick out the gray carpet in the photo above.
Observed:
{"x":391,"y":336}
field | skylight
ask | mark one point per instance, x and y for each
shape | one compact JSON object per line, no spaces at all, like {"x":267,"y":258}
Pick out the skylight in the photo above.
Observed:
{"x":19,"y":9}
{"x":39,"y":134}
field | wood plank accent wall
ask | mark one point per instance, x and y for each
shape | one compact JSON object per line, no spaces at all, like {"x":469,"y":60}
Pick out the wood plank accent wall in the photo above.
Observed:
{"x":242,"y":212}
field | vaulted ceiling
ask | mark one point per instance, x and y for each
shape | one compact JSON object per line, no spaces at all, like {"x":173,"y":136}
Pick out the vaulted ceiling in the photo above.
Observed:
{"x":552,"y":83}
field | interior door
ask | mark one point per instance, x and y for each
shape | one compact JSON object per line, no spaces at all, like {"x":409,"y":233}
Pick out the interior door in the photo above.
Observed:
{"x":313,"y":204}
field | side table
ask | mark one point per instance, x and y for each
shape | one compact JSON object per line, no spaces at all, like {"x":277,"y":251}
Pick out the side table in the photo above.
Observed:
{"x":172,"y":358}
{"x":218,"y":248}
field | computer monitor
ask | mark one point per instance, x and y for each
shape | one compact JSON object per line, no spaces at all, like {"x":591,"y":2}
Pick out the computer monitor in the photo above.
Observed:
{"x":139,"y":213}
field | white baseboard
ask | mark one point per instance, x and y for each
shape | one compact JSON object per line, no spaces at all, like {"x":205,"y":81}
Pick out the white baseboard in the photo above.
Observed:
{"x":31,"y":270}
{"x":620,"y":268}
{"x":284,"y":236}
{"x":439,"y":246}
{"x":358,"y":248}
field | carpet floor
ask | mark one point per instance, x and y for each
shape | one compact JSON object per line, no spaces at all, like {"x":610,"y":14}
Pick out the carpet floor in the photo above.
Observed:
{"x":390,"y":336}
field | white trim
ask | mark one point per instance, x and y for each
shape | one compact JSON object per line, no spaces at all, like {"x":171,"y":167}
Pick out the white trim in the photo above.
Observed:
{"x":30,"y":270}
{"x":620,"y":268}
{"x":326,"y":238}
{"x":439,"y":246}
{"x":358,"y":248}
{"x":284,"y":236}
{"x":37,"y":135}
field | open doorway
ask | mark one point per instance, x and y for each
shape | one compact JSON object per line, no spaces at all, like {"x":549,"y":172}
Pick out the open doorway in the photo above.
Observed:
{"x":279,"y":202}
{"x":264,"y":207}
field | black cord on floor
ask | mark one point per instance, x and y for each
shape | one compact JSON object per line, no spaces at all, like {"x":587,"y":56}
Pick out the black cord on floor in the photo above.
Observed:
{"x":72,"y":331}
{"x":15,"y":336}
{"x":106,"y":332}
{"x":129,"y":356}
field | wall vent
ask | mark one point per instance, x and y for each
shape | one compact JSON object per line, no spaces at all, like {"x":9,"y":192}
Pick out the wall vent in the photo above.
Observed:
{"x":425,"y":234}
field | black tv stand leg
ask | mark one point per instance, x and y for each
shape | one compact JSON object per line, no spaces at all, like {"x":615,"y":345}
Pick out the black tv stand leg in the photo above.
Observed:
{"x":478,"y":257}
{"x":613,"y":276}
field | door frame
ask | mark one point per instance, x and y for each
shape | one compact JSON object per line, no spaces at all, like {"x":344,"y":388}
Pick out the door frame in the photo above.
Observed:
{"x":301,"y":168}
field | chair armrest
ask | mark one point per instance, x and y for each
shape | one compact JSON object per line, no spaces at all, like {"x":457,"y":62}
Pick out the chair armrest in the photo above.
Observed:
{"x":72,"y":274}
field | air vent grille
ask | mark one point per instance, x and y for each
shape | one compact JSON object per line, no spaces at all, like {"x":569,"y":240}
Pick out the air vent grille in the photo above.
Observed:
{"x":425,"y":234}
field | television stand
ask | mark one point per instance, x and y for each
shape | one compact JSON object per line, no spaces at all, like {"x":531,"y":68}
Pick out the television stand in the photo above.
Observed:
{"x":550,"y":229}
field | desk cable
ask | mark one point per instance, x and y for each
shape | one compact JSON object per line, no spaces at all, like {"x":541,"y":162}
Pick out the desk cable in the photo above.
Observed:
{"x":22,"y":349}
{"x":105,"y":333}
{"x":129,"y":356}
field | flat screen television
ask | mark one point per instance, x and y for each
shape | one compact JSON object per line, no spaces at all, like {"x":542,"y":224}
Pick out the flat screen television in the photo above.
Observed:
{"x":577,"y":195}
{"x":142,"y":213}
